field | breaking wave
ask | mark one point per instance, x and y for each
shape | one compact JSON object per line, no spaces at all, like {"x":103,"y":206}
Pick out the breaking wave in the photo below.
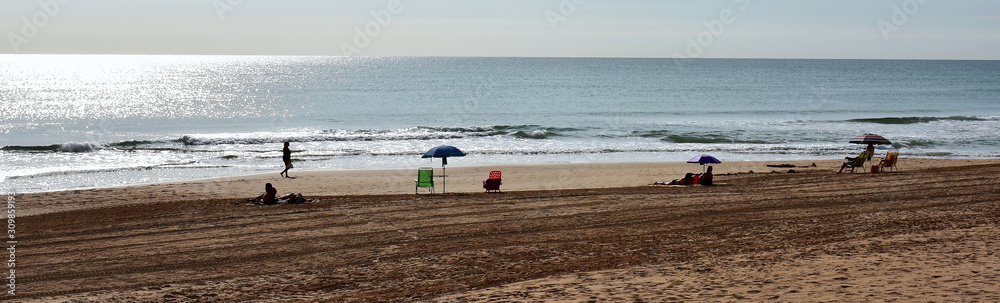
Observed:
{"x":74,"y":147}
{"x":534,"y":134}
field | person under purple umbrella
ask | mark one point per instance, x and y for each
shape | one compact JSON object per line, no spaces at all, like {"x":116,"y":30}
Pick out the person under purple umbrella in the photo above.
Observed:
{"x":704,"y":159}
{"x":705,"y":178}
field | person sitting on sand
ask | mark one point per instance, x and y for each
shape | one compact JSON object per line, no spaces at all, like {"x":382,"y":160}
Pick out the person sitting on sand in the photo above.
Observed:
{"x":269,"y":195}
{"x":706,"y":177}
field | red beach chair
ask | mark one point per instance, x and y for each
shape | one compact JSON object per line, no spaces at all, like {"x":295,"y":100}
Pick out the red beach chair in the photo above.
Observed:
{"x":494,"y":182}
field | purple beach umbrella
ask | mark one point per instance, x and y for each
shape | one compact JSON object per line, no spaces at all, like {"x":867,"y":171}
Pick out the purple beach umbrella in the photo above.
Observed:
{"x":704,"y":159}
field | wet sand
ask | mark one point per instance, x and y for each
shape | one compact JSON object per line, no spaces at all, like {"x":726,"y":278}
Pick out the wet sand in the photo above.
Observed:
{"x":576,"y":232}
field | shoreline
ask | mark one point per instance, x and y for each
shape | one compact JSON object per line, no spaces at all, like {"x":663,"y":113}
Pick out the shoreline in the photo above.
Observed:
{"x":20,"y":188}
{"x":463,"y":179}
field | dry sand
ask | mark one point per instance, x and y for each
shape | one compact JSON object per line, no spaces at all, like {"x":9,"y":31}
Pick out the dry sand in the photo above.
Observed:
{"x":400,"y":181}
{"x":577,"y":233}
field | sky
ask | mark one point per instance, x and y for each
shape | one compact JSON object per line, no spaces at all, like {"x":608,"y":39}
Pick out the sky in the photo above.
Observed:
{"x":844,"y":29}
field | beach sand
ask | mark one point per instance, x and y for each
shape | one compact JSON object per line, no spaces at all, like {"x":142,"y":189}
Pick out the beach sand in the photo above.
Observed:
{"x":566,"y":232}
{"x":458,"y":180}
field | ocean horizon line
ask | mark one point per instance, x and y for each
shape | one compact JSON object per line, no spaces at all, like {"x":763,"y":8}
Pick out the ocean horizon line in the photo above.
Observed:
{"x":500,"y":57}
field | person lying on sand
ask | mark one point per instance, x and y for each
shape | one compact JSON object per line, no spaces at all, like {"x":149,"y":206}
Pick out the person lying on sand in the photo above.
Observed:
{"x":687,"y":180}
{"x":292,"y":198}
{"x":268,"y":197}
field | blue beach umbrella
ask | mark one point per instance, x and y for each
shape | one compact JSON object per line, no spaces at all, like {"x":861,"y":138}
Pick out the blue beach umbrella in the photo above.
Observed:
{"x":704,"y":159}
{"x":443,"y":152}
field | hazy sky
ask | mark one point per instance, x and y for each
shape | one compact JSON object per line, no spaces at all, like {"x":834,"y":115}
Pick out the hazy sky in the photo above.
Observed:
{"x":900,"y":29}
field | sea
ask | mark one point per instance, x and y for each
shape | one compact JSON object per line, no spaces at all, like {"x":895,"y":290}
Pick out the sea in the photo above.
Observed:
{"x":87,"y":121}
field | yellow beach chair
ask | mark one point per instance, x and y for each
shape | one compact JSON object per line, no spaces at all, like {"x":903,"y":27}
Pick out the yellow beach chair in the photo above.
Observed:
{"x":889,"y":161}
{"x":858,"y":162}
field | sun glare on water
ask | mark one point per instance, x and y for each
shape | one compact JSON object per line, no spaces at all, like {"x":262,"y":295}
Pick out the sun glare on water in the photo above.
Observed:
{"x":74,"y":87}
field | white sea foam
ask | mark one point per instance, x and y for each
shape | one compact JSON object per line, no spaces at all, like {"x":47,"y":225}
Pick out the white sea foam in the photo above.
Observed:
{"x":74,"y":147}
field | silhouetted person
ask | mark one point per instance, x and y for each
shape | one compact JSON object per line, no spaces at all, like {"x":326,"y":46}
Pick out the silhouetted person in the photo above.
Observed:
{"x":286,"y":156}
{"x":269,"y":195}
{"x":706,"y":177}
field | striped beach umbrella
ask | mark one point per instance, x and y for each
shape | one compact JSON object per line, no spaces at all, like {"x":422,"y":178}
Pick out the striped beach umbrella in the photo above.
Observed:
{"x":870,"y":139}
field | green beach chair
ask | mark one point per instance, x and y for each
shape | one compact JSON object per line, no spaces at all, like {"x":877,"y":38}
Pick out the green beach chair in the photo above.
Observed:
{"x":425,"y":178}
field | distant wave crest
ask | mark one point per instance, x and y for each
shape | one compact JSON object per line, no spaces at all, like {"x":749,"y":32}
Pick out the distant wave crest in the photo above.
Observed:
{"x":404,"y":134}
{"x":71,"y":147}
{"x":709,"y":139}
{"x":706,"y":138}
{"x":43,"y":148}
{"x":915,"y":120}
{"x":130,"y":144}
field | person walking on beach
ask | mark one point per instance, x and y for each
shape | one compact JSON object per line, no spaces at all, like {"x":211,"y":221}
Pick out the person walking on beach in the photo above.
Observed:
{"x":286,"y":156}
